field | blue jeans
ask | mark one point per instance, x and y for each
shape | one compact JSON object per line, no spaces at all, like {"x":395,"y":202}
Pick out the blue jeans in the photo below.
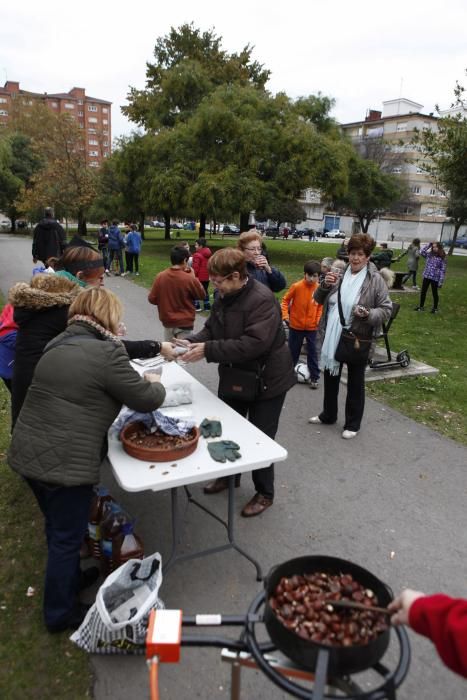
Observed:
{"x":66,"y":513}
{"x":295,"y":345}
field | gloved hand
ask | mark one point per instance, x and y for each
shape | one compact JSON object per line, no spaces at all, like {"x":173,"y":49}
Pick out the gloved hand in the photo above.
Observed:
{"x":224,"y":450}
{"x":210,"y":428}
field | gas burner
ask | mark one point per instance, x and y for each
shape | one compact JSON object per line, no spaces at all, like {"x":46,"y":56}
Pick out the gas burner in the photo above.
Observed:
{"x":348,"y":688}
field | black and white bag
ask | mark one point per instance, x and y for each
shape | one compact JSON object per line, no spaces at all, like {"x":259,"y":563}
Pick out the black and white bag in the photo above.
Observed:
{"x":117,"y":622}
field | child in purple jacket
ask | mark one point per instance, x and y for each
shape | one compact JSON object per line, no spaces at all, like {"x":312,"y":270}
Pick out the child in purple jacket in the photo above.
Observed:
{"x":433,"y":274}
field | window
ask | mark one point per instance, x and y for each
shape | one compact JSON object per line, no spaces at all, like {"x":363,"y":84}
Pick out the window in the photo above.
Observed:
{"x":106,"y":154}
{"x":80,"y":114}
{"x":432,"y":192}
{"x":105,"y":110}
{"x":105,"y":133}
{"x":3,"y":113}
{"x":91,"y":131}
{"x":93,"y":142}
{"x":94,"y":154}
{"x":92,"y":120}
{"x":420,"y":170}
{"x":106,"y":143}
{"x":92,"y":108}
{"x":397,"y":171}
{"x":3,"y":100}
{"x":68,"y":105}
{"x":415,"y":189}
{"x":105,"y":121}
{"x":54,"y":104}
{"x":401,"y":126}
{"x":80,"y":102}
{"x":94,"y":164}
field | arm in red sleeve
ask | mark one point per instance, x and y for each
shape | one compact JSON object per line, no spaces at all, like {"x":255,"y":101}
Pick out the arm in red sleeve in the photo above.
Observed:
{"x":443,"y":620}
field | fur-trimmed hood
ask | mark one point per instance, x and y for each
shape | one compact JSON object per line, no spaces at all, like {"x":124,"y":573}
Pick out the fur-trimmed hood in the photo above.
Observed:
{"x":44,"y":292}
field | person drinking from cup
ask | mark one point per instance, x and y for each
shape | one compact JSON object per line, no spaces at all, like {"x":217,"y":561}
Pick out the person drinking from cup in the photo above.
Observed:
{"x":257,"y":264}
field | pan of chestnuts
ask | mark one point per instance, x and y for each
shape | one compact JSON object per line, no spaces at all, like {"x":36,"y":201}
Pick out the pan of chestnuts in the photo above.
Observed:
{"x":301,"y":619}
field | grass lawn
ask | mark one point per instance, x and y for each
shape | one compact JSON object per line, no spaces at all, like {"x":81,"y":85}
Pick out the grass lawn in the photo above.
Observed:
{"x":439,"y":401}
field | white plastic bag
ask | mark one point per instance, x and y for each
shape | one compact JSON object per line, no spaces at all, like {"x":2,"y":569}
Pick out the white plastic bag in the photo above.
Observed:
{"x":132,"y":588}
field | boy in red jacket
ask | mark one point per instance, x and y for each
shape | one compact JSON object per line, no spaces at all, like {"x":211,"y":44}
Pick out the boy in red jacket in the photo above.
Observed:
{"x":440,"y":618}
{"x":302,"y":314}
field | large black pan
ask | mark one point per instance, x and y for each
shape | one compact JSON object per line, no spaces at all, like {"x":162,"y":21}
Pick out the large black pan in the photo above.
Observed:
{"x":342,"y":660}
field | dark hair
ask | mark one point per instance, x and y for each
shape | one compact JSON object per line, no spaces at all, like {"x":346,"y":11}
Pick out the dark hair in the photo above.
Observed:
{"x":104,"y":221}
{"x":416,"y":241}
{"x":226,"y":261}
{"x":440,"y":252}
{"x":133,"y":227}
{"x":312,"y":267}
{"x":114,"y":222}
{"x":361,"y":241}
{"x":178,"y":255}
{"x":48,"y":213}
{"x":201,"y":242}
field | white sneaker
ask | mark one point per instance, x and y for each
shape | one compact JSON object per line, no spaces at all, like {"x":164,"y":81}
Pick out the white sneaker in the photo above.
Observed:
{"x":349,"y":434}
{"x":137,"y":274}
{"x":315,"y":420}
{"x":124,"y":274}
{"x":107,"y":273}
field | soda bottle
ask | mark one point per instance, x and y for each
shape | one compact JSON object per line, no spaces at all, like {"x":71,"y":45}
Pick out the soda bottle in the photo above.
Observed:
{"x":110,"y":527}
{"x":101,"y":498}
{"x":126,"y":545}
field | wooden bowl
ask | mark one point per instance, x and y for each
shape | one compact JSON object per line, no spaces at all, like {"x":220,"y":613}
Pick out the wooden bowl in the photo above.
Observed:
{"x":158,"y":453}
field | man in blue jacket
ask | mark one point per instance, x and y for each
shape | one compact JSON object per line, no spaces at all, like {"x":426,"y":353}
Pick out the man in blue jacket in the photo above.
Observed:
{"x":116,"y":245}
{"x":133,"y":249}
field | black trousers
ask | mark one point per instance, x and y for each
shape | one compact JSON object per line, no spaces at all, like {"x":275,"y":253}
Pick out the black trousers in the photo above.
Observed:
{"x":265,"y":416}
{"x":355,"y":401}
{"x":426,"y":283}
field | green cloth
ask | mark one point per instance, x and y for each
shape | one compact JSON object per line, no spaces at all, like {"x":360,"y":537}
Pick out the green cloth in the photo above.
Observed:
{"x":210,"y":428}
{"x":223,"y":450}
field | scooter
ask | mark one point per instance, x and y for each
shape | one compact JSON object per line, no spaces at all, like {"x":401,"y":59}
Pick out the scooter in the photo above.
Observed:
{"x":402,"y":358}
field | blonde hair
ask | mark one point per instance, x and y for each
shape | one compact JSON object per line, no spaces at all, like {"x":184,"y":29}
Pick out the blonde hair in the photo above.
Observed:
{"x":101,"y":305}
{"x":248,"y":237}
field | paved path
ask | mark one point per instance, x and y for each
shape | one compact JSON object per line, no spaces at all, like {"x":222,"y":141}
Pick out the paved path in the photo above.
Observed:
{"x":398,"y":487}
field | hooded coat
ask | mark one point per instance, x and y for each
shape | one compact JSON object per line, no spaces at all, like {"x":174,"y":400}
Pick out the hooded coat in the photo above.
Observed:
{"x":78,"y":389}
{"x":200,"y":263}
{"x":48,"y":240}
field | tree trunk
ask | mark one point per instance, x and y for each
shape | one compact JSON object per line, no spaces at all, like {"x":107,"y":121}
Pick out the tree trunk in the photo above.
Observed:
{"x":82,"y":225}
{"x":457,"y":226}
{"x":141,"y":224}
{"x":167,"y":226}
{"x":202,"y":225}
{"x":244,"y":216}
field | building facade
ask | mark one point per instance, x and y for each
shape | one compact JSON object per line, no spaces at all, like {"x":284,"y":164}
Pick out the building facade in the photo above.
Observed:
{"x":92,"y":114}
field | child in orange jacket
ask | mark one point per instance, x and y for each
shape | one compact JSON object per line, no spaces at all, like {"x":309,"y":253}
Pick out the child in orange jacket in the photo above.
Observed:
{"x":302,"y":314}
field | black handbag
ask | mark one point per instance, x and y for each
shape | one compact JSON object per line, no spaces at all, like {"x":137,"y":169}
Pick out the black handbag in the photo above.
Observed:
{"x":239,"y":383}
{"x":350,"y":349}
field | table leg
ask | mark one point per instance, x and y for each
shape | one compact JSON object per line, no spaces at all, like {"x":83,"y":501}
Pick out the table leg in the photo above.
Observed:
{"x":229,"y":525}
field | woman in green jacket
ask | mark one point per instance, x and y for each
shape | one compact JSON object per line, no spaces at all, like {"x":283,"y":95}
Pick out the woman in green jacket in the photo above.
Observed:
{"x":60,"y":437}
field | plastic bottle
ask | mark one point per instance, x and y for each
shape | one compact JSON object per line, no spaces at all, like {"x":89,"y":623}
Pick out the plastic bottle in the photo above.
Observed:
{"x":111,"y":526}
{"x":127,"y":545}
{"x":101,"y":498}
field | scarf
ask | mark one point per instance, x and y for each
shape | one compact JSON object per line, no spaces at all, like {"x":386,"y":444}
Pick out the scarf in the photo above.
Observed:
{"x":350,"y":292}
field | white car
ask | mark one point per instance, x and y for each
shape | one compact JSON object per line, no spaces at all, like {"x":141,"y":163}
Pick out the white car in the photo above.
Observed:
{"x":335,"y":233}
{"x":5,"y":225}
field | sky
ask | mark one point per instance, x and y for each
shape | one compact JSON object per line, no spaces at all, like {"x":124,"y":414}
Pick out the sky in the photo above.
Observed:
{"x":359,"y":53}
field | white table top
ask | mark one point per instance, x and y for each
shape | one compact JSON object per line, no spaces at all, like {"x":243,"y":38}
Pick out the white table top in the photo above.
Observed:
{"x":256,"y":448}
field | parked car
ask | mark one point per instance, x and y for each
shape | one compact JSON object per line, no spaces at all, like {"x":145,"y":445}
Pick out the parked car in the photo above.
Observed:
{"x":176,"y":226}
{"x":335,"y":233}
{"x":5,"y":225}
{"x":230,"y":228}
{"x":21,"y":223}
{"x":189,"y":226}
{"x":157,"y":224}
{"x":458,"y":243}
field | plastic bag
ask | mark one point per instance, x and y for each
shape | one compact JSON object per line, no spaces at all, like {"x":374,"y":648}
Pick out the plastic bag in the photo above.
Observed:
{"x":117,"y":622}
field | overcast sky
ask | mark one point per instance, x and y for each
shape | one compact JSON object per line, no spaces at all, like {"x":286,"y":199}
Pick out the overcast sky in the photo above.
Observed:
{"x":360,"y":53}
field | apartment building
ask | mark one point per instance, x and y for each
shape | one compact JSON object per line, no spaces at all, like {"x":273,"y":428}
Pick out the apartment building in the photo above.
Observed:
{"x":395,"y":128}
{"x":92,"y":114}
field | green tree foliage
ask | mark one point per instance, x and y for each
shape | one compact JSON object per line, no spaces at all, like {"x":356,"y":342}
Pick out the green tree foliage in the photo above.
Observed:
{"x":370,"y":191}
{"x":189,"y":65}
{"x":9,"y":183}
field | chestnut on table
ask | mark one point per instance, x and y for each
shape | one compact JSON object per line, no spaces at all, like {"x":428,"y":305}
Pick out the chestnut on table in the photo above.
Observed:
{"x":257,"y":450}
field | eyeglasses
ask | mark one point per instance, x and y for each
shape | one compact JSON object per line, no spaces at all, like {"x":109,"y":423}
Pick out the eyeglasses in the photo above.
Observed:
{"x":253,"y":250}
{"x":218,"y":280}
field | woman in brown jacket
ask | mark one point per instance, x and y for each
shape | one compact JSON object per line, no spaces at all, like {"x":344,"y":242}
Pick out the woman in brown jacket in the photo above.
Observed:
{"x":245,"y":329}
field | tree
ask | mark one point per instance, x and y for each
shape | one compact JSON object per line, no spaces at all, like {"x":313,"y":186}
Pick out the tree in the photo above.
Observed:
{"x":63,"y":179}
{"x":23,"y":164}
{"x":446,"y":161}
{"x":189,"y":65}
{"x":370,"y":191}
{"x":9,"y":183}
